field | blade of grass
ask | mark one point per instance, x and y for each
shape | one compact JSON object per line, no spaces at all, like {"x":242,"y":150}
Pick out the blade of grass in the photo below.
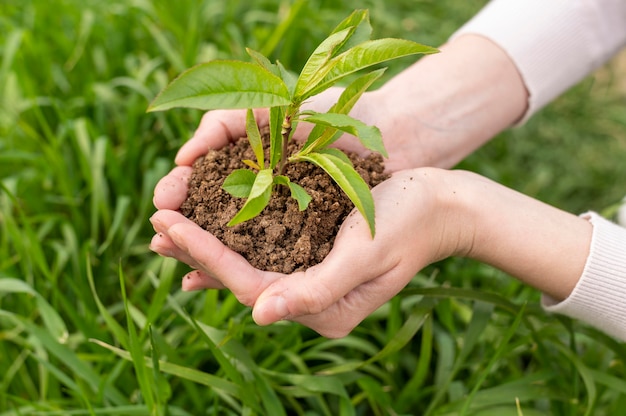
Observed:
{"x":118,"y":332}
{"x":51,"y":318}
{"x":223,"y":388}
{"x":70,"y":359}
{"x":136,"y":352}
{"x":407,"y":332}
{"x":492,"y":361}
{"x":480,"y":318}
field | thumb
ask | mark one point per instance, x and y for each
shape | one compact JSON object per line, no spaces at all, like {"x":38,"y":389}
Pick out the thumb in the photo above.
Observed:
{"x":355,"y":260}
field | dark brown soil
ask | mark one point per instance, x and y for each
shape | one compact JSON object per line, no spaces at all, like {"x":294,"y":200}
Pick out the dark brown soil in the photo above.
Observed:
{"x":281,"y":238}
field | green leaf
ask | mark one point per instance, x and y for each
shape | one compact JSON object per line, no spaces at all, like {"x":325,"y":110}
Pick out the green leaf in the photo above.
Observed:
{"x":353,"y":30}
{"x":359,"y":20}
{"x":290,"y":16}
{"x":369,"y":136}
{"x":72,"y":361}
{"x":254,"y":137}
{"x":349,"y":181}
{"x":348,"y":98}
{"x":51,"y":318}
{"x":252,"y":164}
{"x":318,"y":60}
{"x":277,"y":115}
{"x":258,"y":199}
{"x":404,"y":335}
{"x":222,"y":385}
{"x":223,"y":84}
{"x":239,"y":183}
{"x":135,"y":349}
{"x":362,"y":56}
{"x":297,"y":192}
{"x":289,"y":78}
{"x":262,"y":60}
{"x":114,"y":326}
{"x":353,"y":92}
{"x":300,"y":195}
{"x":339,"y":154}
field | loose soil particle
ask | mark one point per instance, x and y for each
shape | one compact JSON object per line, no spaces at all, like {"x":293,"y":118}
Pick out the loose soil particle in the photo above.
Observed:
{"x":282,"y":238}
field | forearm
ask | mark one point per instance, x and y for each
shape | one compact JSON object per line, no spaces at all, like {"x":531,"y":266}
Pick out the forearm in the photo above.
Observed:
{"x":448,"y":104}
{"x":541,"y":245}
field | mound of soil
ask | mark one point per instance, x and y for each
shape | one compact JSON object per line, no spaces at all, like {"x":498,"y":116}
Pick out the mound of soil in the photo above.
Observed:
{"x":281,"y":238}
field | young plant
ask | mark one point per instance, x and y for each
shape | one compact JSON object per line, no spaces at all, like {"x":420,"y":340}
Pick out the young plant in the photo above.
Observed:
{"x":225,"y":84}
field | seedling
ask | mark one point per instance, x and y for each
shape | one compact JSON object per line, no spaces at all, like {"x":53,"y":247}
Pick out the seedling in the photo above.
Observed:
{"x":226,"y":84}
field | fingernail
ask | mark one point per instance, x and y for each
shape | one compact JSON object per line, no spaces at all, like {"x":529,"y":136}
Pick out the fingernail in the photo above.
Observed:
{"x":156,"y":223}
{"x":277,"y":306}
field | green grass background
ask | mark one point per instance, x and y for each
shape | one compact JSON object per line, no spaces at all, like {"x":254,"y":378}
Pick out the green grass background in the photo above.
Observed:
{"x":93,"y":323}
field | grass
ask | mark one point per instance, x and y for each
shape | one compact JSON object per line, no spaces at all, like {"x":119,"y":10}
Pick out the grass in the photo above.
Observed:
{"x":92,"y":323}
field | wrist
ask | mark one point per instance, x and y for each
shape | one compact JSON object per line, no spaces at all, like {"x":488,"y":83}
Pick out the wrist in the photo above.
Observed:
{"x":540,"y":245}
{"x":453,"y":213}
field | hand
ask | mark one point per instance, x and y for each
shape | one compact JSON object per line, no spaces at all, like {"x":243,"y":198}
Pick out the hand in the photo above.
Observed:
{"x":359,"y":274}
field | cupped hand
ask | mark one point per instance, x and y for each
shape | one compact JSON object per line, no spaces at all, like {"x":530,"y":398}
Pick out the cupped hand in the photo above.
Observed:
{"x":359,"y":274}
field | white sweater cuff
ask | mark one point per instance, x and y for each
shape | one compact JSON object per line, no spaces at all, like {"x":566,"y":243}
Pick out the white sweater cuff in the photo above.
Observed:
{"x":554,"y":43}
{"x":599,"y":297}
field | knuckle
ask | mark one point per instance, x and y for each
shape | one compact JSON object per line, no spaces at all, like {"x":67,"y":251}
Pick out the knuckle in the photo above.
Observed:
{"x":335,"y":333}
{"x":313,"y":301}
{"x":245,"y":299}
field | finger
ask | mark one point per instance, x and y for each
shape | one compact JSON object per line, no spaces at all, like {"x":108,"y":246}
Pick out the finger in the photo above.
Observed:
{"x":348,"y":265}
{"x":164,"y":246}
{"x":216,"y":129}
{"x":184,"y":240}
{"x":343,"y":316}
{"x":171,"y":191}
{"x":221,"y":263}
{"x":360,"y":273}
{"x":198,"y":280}
{"x":161,"y":243}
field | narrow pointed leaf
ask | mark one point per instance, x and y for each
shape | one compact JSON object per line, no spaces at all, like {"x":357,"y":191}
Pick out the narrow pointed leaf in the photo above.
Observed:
{"x":338,"y":154}
{"x":348,"y":98}
{"x":254,"y":137}
{"x":364,"y":55}
{"x":277,"y":115}
{"x":318,"y":60}
{"x":252,"y":164}
{"x":51,"y":319}
{"x":239,"y":183}
{"x":369,"y":136}
{"x":259,"y":197}
{"x":223,"y":84}
{"x":354,"y":91}
{"x":360,"y":20}
{"x":220,"y":384}
{"x":289,"y":78}
{"x":262,"y":60}
{"x":349,"y":181}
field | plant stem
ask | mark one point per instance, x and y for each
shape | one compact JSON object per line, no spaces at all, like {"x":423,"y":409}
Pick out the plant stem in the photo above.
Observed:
{"x":285,"y":133}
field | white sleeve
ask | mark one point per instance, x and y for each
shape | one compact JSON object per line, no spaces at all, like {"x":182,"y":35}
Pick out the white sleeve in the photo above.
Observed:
{"x":554,"y":43}
{"x":599,"y":297}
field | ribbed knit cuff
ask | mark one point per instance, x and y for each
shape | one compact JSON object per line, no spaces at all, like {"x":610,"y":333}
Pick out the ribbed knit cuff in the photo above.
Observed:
{"x":599,"y":298}
{"x":555,"y":43}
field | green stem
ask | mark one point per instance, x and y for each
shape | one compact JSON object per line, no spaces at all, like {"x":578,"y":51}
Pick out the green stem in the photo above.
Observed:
{"x":285,"y":134}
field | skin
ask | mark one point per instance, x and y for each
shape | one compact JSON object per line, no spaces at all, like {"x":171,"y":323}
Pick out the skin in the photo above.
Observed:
{"x":431,"y":115}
